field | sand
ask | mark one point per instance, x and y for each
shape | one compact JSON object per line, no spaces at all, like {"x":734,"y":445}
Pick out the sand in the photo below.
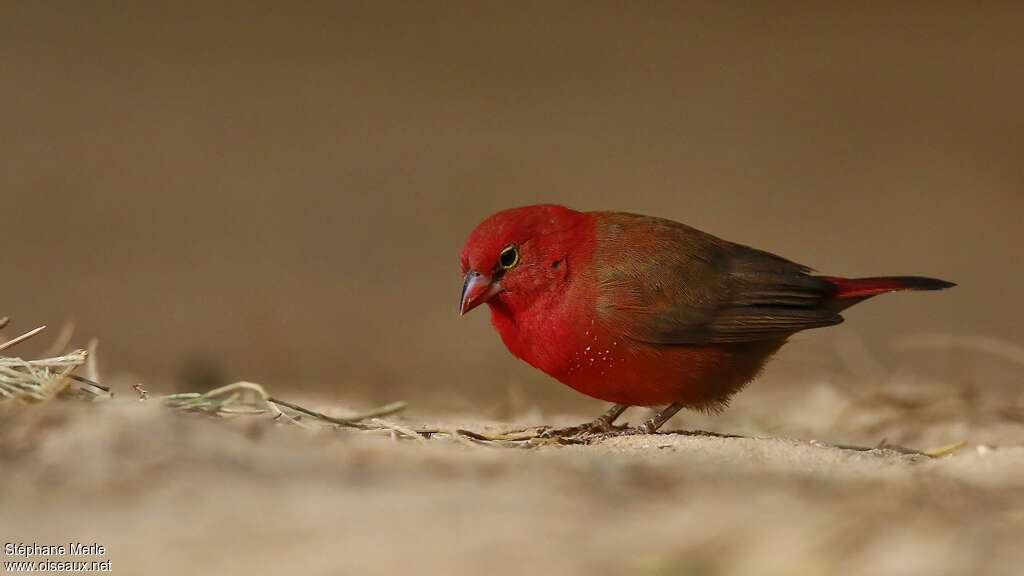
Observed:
{"x":171,"y":493}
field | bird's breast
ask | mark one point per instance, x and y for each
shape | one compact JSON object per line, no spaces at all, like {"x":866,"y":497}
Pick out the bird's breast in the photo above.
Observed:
{"x":570,"y":344}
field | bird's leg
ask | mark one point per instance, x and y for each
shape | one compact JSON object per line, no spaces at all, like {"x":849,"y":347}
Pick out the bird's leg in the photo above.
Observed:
{"x":602,"y":424}
{"x":649,"y":426}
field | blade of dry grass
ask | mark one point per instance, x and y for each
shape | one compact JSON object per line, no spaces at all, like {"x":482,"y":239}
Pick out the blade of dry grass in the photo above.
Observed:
{"x":37,"y":380}
{"x":21,"y":338}
{"x":386,"y":410}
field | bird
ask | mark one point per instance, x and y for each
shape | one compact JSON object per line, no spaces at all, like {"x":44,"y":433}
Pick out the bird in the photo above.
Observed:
{"x":645,"y":311}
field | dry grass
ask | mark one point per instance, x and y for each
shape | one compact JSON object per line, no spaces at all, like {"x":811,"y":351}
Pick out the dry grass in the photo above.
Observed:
{"x":38,"y":380}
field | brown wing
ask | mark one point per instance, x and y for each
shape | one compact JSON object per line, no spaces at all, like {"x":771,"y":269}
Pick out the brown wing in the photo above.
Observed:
{"x":667,"y":283}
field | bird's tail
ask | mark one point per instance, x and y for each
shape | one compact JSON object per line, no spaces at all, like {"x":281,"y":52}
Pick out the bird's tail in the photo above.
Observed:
{"x":850,"y":291}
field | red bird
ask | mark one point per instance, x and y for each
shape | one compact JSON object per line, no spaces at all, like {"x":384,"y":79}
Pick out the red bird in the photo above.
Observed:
{"x":644,"y":311}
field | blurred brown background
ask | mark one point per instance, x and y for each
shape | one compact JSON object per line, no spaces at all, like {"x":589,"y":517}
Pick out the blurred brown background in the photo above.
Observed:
{"x":279,"y":194}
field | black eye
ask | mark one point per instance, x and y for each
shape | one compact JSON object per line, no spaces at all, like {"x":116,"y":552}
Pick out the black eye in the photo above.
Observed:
{"x":508,"y":258}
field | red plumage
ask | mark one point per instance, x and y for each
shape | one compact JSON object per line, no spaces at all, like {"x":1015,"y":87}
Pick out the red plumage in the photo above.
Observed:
{"x":639,"y":310}
{"x":866,"y":287}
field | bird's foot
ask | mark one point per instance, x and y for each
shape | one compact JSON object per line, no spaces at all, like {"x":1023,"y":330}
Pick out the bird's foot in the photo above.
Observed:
{"x":644,"y":429}
{"x":583,"y":431}
{"x":649,"y":426}
{"x":603,"y":424}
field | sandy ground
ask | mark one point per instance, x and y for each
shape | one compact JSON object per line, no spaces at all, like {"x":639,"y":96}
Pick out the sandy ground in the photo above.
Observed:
{"x":170,"y":493}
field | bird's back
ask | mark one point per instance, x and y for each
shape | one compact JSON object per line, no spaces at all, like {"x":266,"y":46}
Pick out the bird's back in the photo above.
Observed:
{"x":668,"y":283}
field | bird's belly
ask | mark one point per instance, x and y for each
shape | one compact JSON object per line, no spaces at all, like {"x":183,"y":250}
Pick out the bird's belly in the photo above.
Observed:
{"x":598,"y":362}
{"x":634,"y":373}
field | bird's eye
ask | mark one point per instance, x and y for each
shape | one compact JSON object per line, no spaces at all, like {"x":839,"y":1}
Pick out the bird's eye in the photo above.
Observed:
{"x":509,"y":258}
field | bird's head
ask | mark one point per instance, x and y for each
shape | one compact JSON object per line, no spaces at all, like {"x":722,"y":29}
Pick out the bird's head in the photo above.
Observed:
{"x":515,"y":253}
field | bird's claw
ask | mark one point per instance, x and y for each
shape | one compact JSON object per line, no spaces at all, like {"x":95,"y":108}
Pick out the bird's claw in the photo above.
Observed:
{"x":581,"y":432}
{"x":641,"y":430}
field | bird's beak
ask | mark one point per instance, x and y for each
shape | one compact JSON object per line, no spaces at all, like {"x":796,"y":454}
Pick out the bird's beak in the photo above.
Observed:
{"x":477,"y":288}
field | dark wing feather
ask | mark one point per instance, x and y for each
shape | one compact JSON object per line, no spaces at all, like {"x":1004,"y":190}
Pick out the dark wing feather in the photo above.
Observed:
{"x":668,"y":283}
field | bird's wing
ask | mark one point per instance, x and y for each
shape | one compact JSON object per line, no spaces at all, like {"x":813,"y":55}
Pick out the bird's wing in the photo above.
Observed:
{"x":666,"y":283}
